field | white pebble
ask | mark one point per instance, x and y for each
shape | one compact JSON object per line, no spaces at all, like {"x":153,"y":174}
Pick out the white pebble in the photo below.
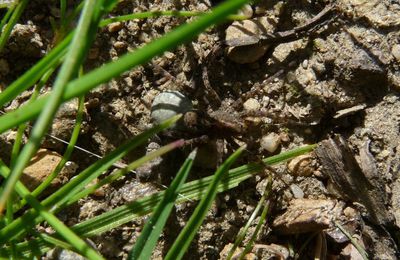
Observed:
{"x":297,"y":191}
{"x":251,"y":105}
{"x":270,"y":142}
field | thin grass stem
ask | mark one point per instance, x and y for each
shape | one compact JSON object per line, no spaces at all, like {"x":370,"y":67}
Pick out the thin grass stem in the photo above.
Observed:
{"x":68,"y":70}
{"x":17,"y":12}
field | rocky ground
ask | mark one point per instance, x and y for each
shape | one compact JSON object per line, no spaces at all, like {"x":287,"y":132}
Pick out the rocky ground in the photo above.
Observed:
{"x":294,"y":73}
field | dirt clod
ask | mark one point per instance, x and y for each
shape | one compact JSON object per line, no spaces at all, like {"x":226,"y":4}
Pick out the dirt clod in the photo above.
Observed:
{"x":42,"y":165}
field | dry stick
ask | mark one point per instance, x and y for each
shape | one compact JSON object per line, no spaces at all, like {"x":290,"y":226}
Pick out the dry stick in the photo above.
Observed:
{"x":301,"y":30}
{"x":204,"y":73}
{"x":282,"y":37}
{"x":293,"y":34}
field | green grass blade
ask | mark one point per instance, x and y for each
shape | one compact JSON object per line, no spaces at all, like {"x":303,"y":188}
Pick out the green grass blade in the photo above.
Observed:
{"x":153,"y":14}
{"x":357,"y":245}
{"x":250,"y":244}
{"x":78,"y":244}
{"x":21,"y":128}
{"x":63,"y":12}
{"x":186,"y":236}
{"x":58,"y":199}
{"x":112,"y":177}
{"x":149,"y":14}
{"x":240,"y":237}
{"x":11,"y":203}
{"x":29,"y":78}
{"x":68,"y":70}
{"x":5,"y":18}
{"x":190,"y":191}
{"x":5,"y":33}
{"x":151,"y":232}
{"x":68,"y":151}
{"x":55,"y":55}
{"x":105,"y":73}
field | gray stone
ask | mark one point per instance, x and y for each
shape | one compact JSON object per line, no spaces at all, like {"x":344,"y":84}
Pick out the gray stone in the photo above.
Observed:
{"x":168,"y":104}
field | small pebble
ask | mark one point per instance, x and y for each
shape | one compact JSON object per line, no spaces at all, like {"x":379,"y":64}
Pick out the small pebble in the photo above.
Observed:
{"x":396,"y":52}
{"x":246,"y":54}
{"x":168,"y":104}
{"x":64,"y":254}
{"x":297,"y":191}
{"x":384,"y":154}
{"x":307,"y":215}
{"x":100,"y":192}
{"x":225,"y":251}
{"x":351,"y":252}
{"x":251,"y":105}
{"x":350,"y":213}
{"x":243,"y":36}
{"x":270,"y":142}
{"x":246,"y":11}
{"x":169,"y":55}
{"x":304,"y":64}
{"x":260,"y":10}
{"x":302,"y":165}
{"x":26,"y":41}
{"x":120,"y":45}
{"x":114,"y":27}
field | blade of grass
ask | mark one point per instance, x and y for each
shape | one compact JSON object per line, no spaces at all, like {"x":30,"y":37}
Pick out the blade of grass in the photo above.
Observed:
{"x":192,"y":190}
{"x":71,"y":144}
{"x":58,"y":225}
{"x":12,"y":201}
{"x":63,"y":12}
{"x":267,"y":193}
{"x":151,"y":232}
{"x":186,"y":236}
{"x":5,"y":18}
{"x":112,"y":177}
{"x":357,"y":245}
{"x":53,"y":57}
{"x":68,"y":151}
{"x":105,"y":73}
{"x":154,"y":14}
{"x":21,"y":128}
{"x":240,"y":237}
{"x":57,"y":200}
{"x":5,"y":33}
{"x":68,"y":70}
{"x":250,"y":244}
{"x":49,"y":62}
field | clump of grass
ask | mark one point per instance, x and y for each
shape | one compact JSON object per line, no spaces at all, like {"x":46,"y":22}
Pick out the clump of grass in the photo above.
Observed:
{"x":18,"y":237}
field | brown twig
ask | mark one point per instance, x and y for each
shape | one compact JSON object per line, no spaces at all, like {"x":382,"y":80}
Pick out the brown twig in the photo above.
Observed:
{"x":293,"y":34}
